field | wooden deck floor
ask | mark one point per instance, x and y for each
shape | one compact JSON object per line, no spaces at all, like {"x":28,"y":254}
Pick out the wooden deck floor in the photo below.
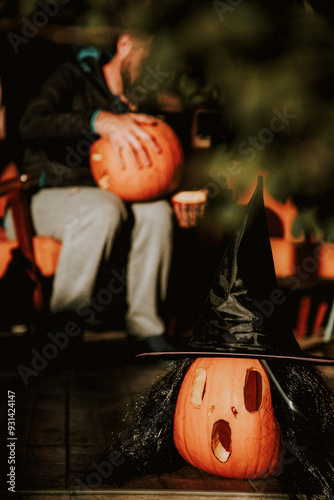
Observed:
{"x":66,"y":414}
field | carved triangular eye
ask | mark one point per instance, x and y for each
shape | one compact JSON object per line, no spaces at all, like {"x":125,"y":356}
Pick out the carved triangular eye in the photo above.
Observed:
{"x":198,"y":388}
{"x":253,"y":390}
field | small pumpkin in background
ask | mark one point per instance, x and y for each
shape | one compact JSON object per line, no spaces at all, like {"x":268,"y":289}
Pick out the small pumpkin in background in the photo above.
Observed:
{"x":224,"y":421}
{"x":140,"y":183}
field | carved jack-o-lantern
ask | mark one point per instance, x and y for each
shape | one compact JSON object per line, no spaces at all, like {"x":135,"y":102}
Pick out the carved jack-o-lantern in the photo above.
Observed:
{"x":134,"y":181}
{"x":224,"y":421}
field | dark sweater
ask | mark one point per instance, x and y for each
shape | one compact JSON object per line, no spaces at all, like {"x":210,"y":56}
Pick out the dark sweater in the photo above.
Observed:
{"x":56,"y":127}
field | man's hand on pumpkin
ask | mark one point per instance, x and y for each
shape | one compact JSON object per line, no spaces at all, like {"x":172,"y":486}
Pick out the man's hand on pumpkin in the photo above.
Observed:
{"x":125,"y":132}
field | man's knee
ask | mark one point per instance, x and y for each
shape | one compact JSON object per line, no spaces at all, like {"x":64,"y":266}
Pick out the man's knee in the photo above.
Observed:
{"x":107,"y":208}
{"x":157,"y":213}
{"x":163,"y":213}
{"x":156,"y":219}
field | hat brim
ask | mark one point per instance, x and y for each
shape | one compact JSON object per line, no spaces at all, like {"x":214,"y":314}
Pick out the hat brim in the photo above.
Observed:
{"x":315,"y":360}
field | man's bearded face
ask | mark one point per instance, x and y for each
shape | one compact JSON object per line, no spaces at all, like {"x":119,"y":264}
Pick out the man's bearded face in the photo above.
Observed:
{"x":132,"y":64}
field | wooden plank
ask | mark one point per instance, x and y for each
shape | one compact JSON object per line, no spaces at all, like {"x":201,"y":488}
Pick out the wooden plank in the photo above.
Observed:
{"x":83,"y":388}
{"x":268,"y":485}
{"x":24,"y":400}
{"x":118,"y":393}
{"x":4,"y":466}
{"x":113,"y":385}
{"x":45,"y":464}
{"x":81,"y":461}
{"x":85,"y":421}
{"x":39,"y":455}
{"x":55,"y":381}
{"x":175,"y":495}
{"x":85,"y":426}
{"x":48,"y":422}
{"x":224,"y":484}
{"x":117,"y":494}
{"x":49,"y":411}
{"x":112,"y":414}
{"x":81,"y":457}
{"x":78,"y":482}
{"x":150,"y":482}
{"x":43,"y":476}
{"x":140,"y":378}
{"x":115,"y":401}
{"x":186,"y":478}
{"x":24,"y":412}
{"x":143,"y":495}
{"x":42,"y":496}
{"x":82,"y":482}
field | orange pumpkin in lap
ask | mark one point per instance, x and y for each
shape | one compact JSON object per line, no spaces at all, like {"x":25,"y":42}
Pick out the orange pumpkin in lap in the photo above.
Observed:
{"x":139,"y":183}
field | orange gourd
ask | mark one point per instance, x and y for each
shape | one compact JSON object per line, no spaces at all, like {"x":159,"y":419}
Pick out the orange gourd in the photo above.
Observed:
{"x":134,"y":183}
{"x":224,"y":421}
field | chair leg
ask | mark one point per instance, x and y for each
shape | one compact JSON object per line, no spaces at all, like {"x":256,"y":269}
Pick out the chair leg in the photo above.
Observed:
{"x":23,"y":229}
{"x":330,"y":325}
{"x":303,"y":316}
{"x":320,"y":315}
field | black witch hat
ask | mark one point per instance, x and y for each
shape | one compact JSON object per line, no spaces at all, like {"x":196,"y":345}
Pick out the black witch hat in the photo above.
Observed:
{"x":244,"y":314}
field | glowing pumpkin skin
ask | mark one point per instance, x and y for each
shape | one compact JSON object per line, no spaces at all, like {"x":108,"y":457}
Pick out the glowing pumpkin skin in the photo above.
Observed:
{"x":224,"y":422}
{"x":134,"y":183}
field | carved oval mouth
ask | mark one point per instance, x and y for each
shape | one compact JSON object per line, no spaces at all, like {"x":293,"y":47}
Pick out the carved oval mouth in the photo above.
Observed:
{"x":221,"y":440}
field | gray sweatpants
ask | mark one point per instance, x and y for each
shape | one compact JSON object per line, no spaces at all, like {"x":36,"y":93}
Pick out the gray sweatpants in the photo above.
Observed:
{"x":87,"y":220}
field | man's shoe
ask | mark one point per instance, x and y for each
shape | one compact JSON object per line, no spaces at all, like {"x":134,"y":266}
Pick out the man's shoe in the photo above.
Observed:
{"x":157,"y":343}
{"x":153,"y":343}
